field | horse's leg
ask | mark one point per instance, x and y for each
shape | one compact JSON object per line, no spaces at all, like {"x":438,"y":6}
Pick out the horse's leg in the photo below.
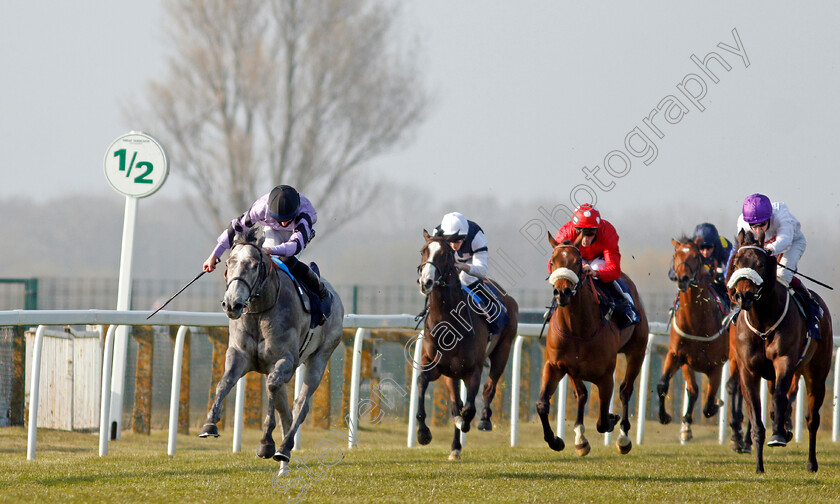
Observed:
{"x":750,"y":384}
{"x":582,"y":446}
{"x":314,"y":373}
{"x":669,"y":367}
{"x":688,"y":417}
{"x":235,"y":363}
{"x":606,"y":420}
{"x":424,"y":435}
{"x":551,"y":376}
{"x":711,"y":407}
{"x":816,"y":395}
{"x":634,"y":366}
{"x":736,"y":403}
{"x":275,"y":384}
{"x":498,"y":361}
{"x":284,"y":412}
{"x":784,"y":377}
{"x":455,"y":406}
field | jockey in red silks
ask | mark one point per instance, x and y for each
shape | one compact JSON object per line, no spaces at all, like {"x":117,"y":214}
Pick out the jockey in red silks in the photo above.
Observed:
{"x":602,"y":261}
{"x":288,"y":220}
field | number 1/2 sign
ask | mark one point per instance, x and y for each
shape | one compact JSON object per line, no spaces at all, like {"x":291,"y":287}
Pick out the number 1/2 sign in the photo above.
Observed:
{"x":136,"y":165}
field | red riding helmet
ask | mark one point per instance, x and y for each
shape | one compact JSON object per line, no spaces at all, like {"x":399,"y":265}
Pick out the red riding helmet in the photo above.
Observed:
{"x":586,"y":216}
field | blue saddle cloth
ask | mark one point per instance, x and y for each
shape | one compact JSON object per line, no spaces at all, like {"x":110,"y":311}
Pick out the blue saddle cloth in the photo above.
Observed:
{"x":487,"y":298}
{"x":311,"y":302}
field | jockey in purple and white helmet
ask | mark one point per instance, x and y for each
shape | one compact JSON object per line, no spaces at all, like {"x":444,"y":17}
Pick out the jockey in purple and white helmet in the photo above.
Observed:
{"x":782,"y":234}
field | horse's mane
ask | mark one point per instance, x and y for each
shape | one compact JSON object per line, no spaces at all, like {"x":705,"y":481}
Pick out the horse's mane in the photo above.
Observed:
{"x":683,"y":238}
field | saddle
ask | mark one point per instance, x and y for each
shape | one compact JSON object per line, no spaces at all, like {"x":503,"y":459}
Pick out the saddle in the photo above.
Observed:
{"x":808,"y":307}
{"x":487,"y":299}
{"x":309,"y":299}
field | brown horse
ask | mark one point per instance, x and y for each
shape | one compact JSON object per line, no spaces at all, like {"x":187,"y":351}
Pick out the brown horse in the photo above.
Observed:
{"x":698,"y":342}
{"x":584,"y":343}
{"x":457,"y":342}
{"x":771,"y":342}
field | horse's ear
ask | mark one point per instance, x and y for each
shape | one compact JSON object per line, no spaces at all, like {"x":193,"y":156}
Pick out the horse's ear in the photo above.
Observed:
{"x":675,"y":243}
{"x":760,"y":238}
{"x":426,"y":235}
{"x":551,"y":240}
{"x":740,"y":238}
{"x":260,"y":241}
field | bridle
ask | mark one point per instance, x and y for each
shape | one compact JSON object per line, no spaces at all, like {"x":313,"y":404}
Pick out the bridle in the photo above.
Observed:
{"x":568,"y":275}
{"x":438,"y":274}
{"x":262,"y":277}
{"x":692,"y":281}
{"x":742,"y":272}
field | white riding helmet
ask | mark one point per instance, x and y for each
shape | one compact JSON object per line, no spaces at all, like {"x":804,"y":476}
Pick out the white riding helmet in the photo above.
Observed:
{"x":454,"y":225}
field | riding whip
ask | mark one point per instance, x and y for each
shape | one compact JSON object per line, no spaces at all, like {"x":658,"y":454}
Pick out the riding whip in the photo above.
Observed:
{"x":176,"y":294}
{"x":806,"y":277}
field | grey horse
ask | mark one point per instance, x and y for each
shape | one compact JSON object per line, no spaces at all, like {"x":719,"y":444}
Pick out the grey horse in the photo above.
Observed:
{"x":270,"y":334}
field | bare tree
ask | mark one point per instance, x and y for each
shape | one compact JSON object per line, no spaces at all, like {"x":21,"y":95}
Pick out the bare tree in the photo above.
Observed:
{"x":291,"y":91}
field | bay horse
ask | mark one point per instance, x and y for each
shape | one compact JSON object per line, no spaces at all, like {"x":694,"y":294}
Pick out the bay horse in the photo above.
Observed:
{"x":698,"y":342}
{"x":269,"y":332}
{"x":457,"y":343}
{"x":584,"y":342}
{"x":771,"y":342}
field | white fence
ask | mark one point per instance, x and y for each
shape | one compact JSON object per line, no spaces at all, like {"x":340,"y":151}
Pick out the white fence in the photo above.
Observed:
{"x":363,"y":323}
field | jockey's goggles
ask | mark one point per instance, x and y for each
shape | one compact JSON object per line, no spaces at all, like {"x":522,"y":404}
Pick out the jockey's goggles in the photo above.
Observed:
{"x":587,"y":231}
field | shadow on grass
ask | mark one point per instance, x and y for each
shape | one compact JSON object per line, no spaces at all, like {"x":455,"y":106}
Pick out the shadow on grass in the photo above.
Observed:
{"x":95,"y":478}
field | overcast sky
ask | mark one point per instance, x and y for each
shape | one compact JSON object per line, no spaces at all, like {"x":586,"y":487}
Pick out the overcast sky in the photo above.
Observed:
{"x":527,"y":94}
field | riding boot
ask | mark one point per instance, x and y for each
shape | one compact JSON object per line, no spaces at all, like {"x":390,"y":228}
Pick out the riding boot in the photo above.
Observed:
{"x":813,"y":310}
{"x":302,"y":272}
{"x":624,"y":304}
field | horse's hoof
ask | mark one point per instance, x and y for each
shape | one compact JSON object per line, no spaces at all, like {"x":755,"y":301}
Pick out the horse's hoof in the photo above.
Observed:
{"x":556,"y":444}
{"x":455,"y":455}
{"x":485,"y":425}
{"x":424,"y":435}
{"x":788,"y":435}
{"x":282,"y":456}
{"x":736,"y":445}
{"x":664,"y":418}
{"x":624,"y":449}
{"x":812,"y":466}
{"x":746,"y":449}
{"x":685,"y":434}
{"x":582,"y":450}
{"x":777,"y":440}
{"x":266,"y":451}
{"x":712,"y":411}
{"x":209,"y":430}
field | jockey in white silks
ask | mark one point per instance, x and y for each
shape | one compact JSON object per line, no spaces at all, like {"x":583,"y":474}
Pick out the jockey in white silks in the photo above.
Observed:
{"x":467,"y":240}
{"x":783,"y":237}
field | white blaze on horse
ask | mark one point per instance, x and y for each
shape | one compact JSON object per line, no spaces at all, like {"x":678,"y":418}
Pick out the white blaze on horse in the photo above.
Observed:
{"x":270,"y":333}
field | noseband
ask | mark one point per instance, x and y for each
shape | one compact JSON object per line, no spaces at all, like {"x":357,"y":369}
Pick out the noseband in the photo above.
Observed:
{"x":566,"y":273}
{"x":748,"y":273}
{"x":262,"y":276}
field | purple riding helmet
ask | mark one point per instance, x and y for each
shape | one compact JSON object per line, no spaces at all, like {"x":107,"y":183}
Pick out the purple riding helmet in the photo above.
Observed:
{"x":757,"y":208}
